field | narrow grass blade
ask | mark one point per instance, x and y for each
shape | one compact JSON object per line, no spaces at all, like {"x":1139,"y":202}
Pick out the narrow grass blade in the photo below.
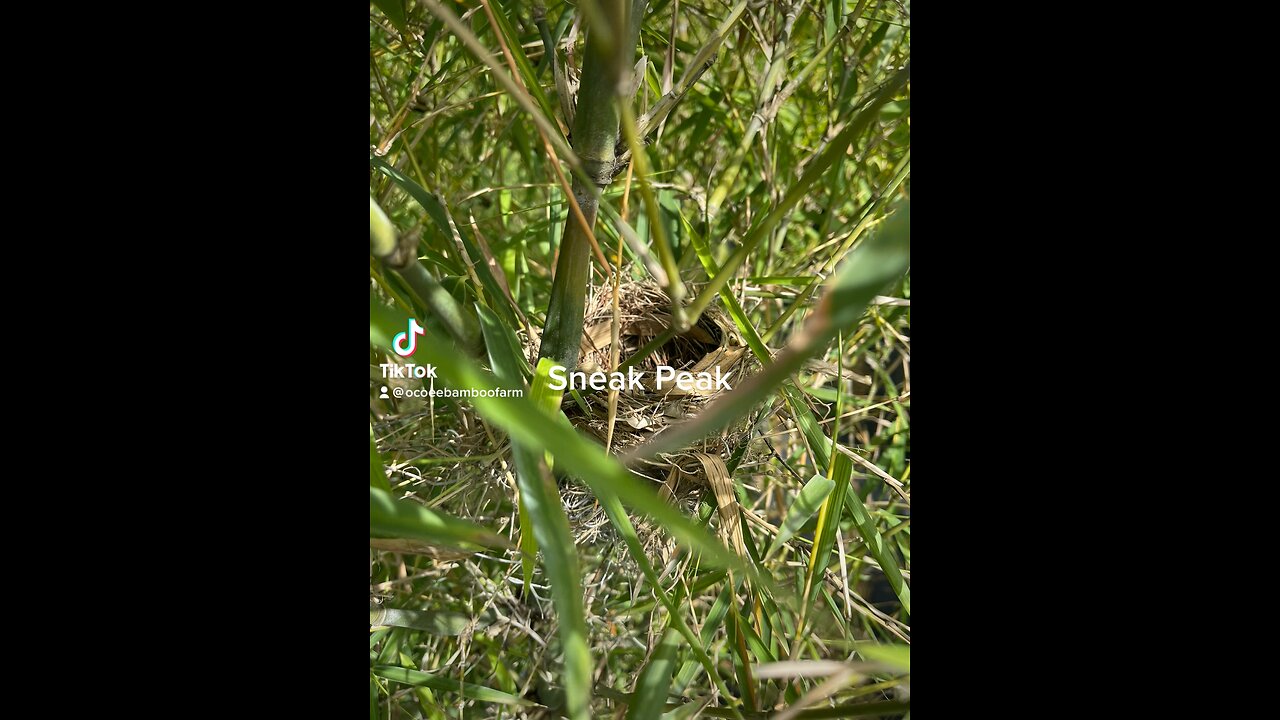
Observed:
{"x":444,"y":684}
{"x":688,"y":711}
{"x":655,"y":680}
{"x":758,"y":647}
{"x":814,"y":437}
{"x":389,"y":517}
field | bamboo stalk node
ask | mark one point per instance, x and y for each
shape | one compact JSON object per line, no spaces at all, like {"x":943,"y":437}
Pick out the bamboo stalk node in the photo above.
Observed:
{"x":601,"y":171}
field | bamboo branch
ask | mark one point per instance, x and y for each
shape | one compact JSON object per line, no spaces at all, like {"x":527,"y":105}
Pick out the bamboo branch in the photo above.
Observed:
{"x":519,"y":94}
{"x":705,"y":58}
{"x":758,"y":121}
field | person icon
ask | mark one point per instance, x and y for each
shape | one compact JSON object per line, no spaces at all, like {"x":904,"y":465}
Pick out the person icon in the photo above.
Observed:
{"x":383,"y":396}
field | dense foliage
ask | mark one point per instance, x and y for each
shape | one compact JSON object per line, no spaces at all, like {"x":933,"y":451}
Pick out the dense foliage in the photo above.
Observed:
{"x":738,"y":178}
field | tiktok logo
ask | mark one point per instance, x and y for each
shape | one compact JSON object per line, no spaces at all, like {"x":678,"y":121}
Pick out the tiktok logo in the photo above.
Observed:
{"x":406,"y":343}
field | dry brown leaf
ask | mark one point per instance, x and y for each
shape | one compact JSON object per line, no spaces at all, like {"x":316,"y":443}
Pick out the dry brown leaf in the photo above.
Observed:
{"x":726,"y":502}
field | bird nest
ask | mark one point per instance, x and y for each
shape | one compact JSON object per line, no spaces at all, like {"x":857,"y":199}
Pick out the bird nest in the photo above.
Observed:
{"x":711,"y":346}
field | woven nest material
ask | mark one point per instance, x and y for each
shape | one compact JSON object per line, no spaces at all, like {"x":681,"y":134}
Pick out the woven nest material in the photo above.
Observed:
{"x":712,"y":343}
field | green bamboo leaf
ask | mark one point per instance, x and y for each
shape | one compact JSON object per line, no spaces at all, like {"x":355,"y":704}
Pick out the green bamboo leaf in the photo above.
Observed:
{"x":384,"y":322}
{"x":828,"y":523}
{"x":817,"y":441}
{"x":449,"y":685}
{"x":896,"y":656}
{"x":435,"y":623}
{"x":807,"y":502}
{"x":741,"y":659}
{"x":816,"y":168}
{"x":832,"y":11}
{"x":528,"y":544}
{"x":881,"y":258}
{"x":688,"y":711}
{"x":876,"y":36}
{"x":507,"y":364}
{"x":545,"y":512}
{"x":394,"y":10}
{"x":655,"y":680}
{"x":389,"y":517}
{"x":546,"y":399}
{"x":523,"y":65}
{"x":793,"y":280}
{"x":880,"y":550}
{"x":828,"y":395}
{"x":761,"y":651}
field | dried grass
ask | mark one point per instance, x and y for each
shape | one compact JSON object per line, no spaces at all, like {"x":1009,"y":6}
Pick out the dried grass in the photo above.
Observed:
{"x":713,"y":343}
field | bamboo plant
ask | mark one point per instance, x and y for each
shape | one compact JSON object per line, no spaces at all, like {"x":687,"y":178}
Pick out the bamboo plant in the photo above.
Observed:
{"x":751,"y":160}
